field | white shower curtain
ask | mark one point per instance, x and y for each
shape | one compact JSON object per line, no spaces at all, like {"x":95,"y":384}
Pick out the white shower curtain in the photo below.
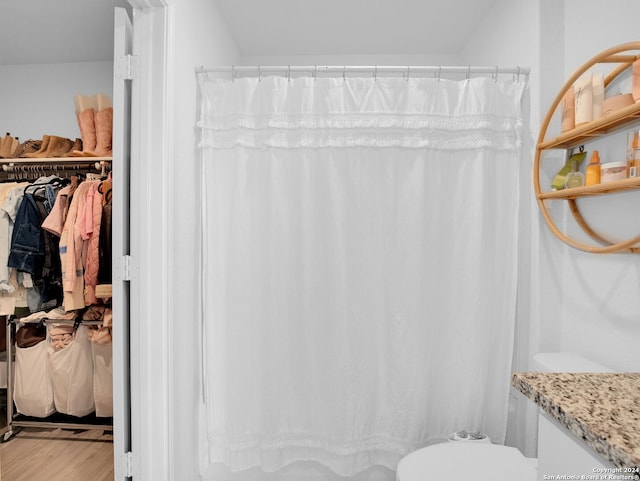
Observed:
{"x":359,"y":266}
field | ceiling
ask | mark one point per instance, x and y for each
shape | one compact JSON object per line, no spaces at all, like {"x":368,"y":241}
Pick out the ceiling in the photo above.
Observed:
{"x":44,"y":31}
{"x":59,"y":31}
{"x":330,"y":27}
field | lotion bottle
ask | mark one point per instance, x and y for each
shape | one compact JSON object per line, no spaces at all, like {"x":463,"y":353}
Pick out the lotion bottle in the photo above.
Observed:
{"x":593,"y":170}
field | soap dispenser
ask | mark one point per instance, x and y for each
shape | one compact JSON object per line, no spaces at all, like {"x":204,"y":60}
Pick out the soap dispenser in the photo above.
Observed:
{"x":593,"y":169}
{"x":575,"y":178}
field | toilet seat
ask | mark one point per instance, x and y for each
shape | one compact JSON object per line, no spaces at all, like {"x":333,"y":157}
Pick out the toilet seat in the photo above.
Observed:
{"x":465,"y":460}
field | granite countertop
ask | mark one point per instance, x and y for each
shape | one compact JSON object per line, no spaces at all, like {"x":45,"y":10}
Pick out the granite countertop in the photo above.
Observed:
{"x":602,"y":409}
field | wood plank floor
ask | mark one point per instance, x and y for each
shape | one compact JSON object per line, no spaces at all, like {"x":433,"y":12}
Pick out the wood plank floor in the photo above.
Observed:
{"x":37,"y":454}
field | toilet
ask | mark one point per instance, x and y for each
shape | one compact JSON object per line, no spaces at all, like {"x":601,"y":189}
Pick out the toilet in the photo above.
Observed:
{"x":480,"y":460}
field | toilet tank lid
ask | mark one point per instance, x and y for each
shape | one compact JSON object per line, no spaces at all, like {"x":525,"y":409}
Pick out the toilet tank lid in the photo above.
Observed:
{"x":566,"y":362}
{"x":477,"y":461}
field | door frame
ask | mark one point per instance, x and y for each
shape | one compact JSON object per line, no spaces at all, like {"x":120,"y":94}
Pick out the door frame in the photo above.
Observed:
{"x":151,"y":144}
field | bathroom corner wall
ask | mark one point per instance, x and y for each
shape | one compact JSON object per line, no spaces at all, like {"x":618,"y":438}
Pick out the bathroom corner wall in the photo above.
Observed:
{"x":600,"y":310}
{"x":567,"y":300}
{"x":198,"y":37}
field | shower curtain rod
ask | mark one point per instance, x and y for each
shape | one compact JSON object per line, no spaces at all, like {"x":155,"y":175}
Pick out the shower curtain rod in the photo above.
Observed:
{"x":408,"y":70}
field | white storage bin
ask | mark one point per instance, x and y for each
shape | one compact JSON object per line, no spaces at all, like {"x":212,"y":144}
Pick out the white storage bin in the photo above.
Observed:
{"x":103,"y":378}
{"x":33,"y":391}
{"x":72,"y":376}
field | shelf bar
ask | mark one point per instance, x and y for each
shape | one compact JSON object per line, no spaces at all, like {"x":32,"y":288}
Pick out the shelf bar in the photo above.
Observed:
{"x":61,"y":425}
{"x":592,"y":190}
{"x":255,"y":70}
{"x":56,"y":160}
{"x":576,"y":136}
{"x":619,"y":59}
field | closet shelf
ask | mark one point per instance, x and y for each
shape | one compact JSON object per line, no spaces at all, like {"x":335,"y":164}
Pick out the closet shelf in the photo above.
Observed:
{"x":593,"y":190}
{"x":56,"y":160}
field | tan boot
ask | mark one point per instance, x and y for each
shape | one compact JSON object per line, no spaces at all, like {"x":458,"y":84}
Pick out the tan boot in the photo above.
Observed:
{"x":76,"y":147}
{"x":58,"y":147}
{"x":6,"y":146}
{"x":43,"y":148}
{"x":14,"y":147}
{"x":104,"y":129}
{"x":103,"y":120}
{"x":87,"y":131}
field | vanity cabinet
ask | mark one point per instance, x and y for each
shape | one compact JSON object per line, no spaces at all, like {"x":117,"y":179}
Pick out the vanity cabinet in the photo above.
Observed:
{"x":588,"y":423}
{"x":560,"y":453}
{"x":619,"y":120}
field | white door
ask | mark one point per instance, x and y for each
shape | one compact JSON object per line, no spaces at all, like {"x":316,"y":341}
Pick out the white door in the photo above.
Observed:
{"x":121,"y":245}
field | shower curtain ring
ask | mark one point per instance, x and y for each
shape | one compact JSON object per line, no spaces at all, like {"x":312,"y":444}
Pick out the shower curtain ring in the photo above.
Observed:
{"x":375,"y":73}
{"x":468,"y":71}
{"x":439,"y":72}
{"x":233,"y":73}
{"x":259,"y":73}
{"x":289,"y":73}
{"x":408,"y":72}
{"x":315,"y":73}
{"x":495,"y":78}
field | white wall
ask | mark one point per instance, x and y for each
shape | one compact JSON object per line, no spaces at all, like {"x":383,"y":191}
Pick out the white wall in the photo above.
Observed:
{"x":600,"y":312}
{"x":199,"y":37}
{"x":568,"y":300}
{"x":580,"y":302}
{"x":37,"y":100}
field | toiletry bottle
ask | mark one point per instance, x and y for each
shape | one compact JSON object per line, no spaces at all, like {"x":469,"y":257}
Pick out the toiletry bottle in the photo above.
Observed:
{"x":597,"y":94}
{"x":583,"y":89}
{"x":633,"y":154}
{"x":593,"y":170}
{"x":568,"y":111}
{"x":575,"y":178}
{"x":559,"y":180}
{"x":635,"y":80}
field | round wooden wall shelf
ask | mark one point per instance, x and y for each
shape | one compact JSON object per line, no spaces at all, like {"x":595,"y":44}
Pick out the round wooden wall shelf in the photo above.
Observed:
{"x":623,"y":55}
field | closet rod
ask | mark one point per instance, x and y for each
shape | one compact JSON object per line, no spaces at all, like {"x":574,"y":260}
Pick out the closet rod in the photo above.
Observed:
{"x":436,"y":70}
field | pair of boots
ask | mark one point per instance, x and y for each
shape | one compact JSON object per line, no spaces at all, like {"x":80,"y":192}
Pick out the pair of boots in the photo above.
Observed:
{"x":50,"y":146}
{"x":95,"y":119}
{"x":8,"y":146}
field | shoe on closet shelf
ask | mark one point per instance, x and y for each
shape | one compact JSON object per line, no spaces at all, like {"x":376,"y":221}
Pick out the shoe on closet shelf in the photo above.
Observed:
{"x":75,"y":147}
{"x":59,"y":146}
{"x":53,"y":146}
{"x":85,"y":114}
{"x":104,"y":129}
{"x":96,"y":127}
{"x":44,"y":144}
{"x":7,"y":146}
{"x":27,"y":147}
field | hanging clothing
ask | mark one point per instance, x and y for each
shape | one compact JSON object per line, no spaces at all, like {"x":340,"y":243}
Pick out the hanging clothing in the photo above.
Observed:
{"x":90,"y":222}
{"x":105,"y":253}
{"x":27,"y":246}
{"x":71,"y":248}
